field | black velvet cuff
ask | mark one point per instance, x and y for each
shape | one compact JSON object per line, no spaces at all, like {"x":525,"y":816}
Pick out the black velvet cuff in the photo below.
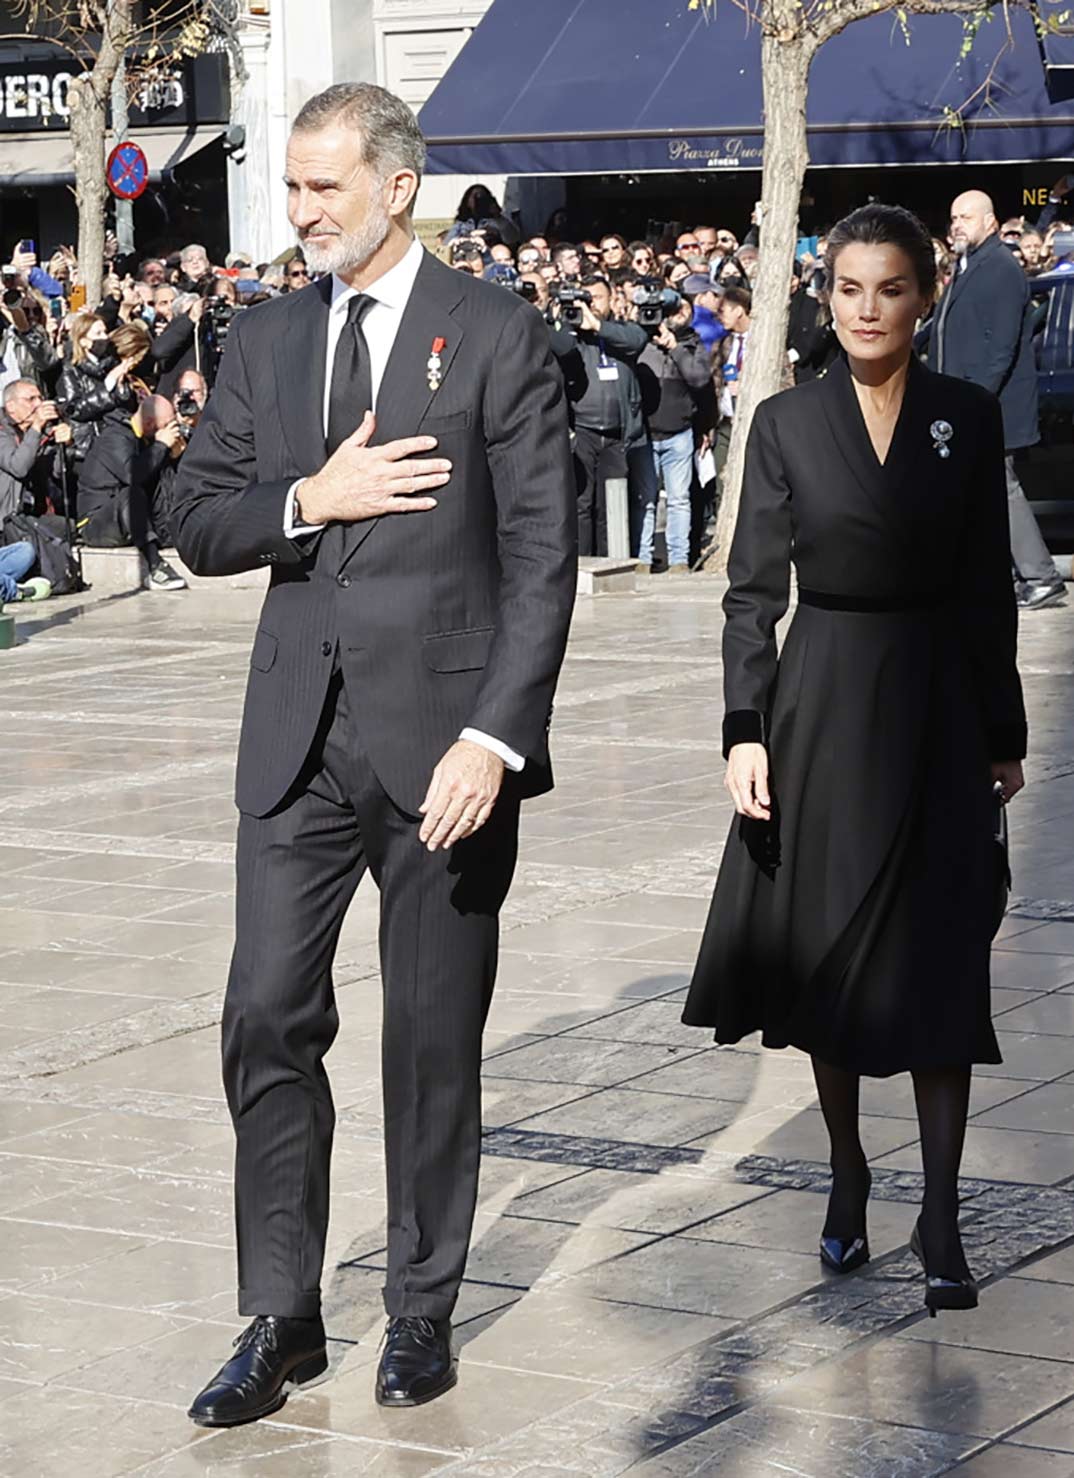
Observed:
{"x":742,"y":726}
{"x":1007,"y":742}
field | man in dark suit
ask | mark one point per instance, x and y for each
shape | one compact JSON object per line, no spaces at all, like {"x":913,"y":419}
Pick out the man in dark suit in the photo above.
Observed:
{"x":397,"y":712}
{"x":983,"y":331}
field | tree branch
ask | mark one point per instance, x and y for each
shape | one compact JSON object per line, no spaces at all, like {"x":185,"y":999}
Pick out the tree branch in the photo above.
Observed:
{"x":828,"y":22}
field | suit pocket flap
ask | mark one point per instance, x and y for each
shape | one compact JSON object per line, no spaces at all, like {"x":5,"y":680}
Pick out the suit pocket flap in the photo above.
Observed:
{"x":264,"y":652}
{"x":458,"y":651}
{"x":437,"y":425}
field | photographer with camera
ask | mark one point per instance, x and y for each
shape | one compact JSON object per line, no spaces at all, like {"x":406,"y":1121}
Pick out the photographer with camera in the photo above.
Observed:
{"x":220,"y":304}
{"x":675,"y":373}
{"x":30,"y":432}
{"x":191,"y":398}
{"x":120,"y":488}
{"x":609,"y":430}
{"x":175,"y":345}
{"x":25,"y":350}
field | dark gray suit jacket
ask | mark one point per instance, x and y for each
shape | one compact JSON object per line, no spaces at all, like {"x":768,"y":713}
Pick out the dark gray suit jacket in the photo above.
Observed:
{"x":987,"y":336}
{"x":443,"y":620}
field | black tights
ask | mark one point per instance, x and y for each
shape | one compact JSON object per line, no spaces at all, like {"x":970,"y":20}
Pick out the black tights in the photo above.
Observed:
{"x":943,"y":1096}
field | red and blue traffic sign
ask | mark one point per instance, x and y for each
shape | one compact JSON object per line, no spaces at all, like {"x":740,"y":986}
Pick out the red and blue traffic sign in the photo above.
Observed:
{"x":127,"y":171}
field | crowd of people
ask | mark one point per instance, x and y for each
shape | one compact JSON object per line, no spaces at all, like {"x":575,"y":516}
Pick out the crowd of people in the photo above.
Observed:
{"x":652,"y":336}
{"x":99,"y":402}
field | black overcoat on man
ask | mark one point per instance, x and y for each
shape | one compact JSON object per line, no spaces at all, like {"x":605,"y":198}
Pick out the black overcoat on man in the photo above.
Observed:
{"x":379,"y":642}
{"x":982,"y":331}
{"x":856,"y":924}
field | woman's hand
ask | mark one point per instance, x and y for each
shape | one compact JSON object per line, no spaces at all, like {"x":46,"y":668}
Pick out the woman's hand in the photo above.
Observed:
{"x":747,"y":780}
{"x":1009,"y":776}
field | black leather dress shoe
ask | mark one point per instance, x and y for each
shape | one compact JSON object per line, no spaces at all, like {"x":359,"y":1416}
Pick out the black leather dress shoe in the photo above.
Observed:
{"x":272,"y":1357}
{"x":418,"y":1363}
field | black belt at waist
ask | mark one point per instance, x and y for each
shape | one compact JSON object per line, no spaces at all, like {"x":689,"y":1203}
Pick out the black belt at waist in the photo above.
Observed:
{"x":868,"y":605}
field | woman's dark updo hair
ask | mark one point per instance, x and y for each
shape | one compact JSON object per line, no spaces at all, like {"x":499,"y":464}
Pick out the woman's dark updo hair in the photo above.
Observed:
{"x":886,"y":225}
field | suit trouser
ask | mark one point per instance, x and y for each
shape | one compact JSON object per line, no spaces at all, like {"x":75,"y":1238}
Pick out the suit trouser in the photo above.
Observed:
{"x":298,"y":869}
{"x":598,"y":455}
{"x":1029,"y":553}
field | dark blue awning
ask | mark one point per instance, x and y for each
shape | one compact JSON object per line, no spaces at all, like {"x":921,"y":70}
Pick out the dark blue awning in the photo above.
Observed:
{"x":1059,"y":66}
{"x":618,"y":86}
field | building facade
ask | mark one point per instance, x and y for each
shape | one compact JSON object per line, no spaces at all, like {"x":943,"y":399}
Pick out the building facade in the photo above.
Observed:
{"x":294,"y":48}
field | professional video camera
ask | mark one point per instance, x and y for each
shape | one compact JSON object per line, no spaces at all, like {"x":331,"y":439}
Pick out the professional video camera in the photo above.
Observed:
{"x":219,"y":312}
{"x":655,"y":302}
{"x":187,"y":411}
{"x":570,"y":297}
{"x":527,"y":290}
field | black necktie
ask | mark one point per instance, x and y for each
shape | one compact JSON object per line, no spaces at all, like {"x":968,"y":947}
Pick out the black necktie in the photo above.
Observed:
{"x":351,"y":394}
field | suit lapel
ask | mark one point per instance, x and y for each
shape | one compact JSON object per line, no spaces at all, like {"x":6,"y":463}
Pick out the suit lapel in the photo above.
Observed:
{"x":912,"y":436}
{"x":304,"y":343}
{"x":849,"y":434}
{"x":405,"y":397}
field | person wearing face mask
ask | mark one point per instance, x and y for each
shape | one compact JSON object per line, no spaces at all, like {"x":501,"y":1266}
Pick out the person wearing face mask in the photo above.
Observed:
{"x":862,"y":883}
{"x":94,"y":382}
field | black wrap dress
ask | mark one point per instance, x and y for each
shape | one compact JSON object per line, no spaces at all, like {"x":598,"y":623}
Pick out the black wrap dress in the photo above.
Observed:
{"x":856,"y":924}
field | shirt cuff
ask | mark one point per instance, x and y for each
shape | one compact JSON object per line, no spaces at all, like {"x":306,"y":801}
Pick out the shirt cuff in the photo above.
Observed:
{"x":291,"y":529}
{"x":512,"y":760}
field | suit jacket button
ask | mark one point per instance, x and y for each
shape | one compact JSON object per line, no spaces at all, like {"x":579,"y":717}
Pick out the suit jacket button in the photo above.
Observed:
{"x":326,"y":649}
{"x":343,"y":581}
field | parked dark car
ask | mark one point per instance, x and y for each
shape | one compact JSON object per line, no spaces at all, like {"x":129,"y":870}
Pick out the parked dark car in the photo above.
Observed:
{"x":1047,"y":470}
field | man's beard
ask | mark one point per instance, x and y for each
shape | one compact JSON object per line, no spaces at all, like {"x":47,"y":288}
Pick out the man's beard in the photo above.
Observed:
{"x":350,"y":249}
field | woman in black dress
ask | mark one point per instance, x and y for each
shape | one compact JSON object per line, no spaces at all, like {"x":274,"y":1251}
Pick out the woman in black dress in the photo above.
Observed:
{"x":857,"y":900}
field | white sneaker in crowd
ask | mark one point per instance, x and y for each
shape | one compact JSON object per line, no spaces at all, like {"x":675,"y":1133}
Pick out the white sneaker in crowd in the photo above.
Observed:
{"x":163,"y":577}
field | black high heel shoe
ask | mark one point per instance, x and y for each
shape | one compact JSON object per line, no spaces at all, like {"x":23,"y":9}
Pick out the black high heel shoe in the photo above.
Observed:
{"x":846,"y":1254}
{"x":950,"y":1294}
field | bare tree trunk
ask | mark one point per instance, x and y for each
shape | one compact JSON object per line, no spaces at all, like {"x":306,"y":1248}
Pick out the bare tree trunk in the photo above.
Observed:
{"x":89,"y":96}
{"x":786,"y":53}
{"x":87,"y":139}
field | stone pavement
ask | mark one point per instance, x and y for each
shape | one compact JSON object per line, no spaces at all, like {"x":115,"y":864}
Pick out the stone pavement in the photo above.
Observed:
{"x":643,"y":1293}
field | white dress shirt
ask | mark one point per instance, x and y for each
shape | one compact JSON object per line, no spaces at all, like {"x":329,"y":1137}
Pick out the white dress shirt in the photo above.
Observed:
{"x":390,"y":294}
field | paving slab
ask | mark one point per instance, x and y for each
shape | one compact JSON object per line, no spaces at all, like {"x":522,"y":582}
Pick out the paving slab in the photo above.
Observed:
{"x":644,"y":1292}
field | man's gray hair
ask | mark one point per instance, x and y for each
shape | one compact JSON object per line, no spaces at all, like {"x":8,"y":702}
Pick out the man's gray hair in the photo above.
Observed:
{"x":389,"y":132}
{"x":14,"y":388}
{"x":194,"y":249}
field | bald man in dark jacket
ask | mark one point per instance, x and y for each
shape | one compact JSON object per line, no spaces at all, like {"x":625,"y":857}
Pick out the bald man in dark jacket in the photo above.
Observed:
{"x":982,"y":331}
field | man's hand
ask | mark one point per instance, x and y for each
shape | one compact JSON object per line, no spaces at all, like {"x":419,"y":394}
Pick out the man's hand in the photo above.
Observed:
{"x":590,"y":322}
{"x":1063,"y":186}
{"x":747,"y":780}
{"x":45,"y":413}
{"x":360,"y":481}
{"x":665,"y":338}
{"x":23,"y":261}
{"x":1008,"y":775}
{"x":169,"y":435}
{"x":62,"y":434}
{"x":195,"y":311}
{"x":461,"y":795}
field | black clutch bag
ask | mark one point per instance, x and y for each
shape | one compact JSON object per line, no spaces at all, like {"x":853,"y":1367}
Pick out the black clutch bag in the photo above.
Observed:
{"x":1002,"y":858}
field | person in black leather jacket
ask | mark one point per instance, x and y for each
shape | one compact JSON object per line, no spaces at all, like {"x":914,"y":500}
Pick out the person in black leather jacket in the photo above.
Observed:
{"x":94,"y":382}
